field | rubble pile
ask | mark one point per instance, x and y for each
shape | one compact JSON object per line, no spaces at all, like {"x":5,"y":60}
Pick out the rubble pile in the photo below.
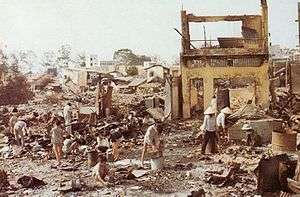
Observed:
{"x":15,"y":91}
{"x":186,"y":169}
{"x":3,"y":181}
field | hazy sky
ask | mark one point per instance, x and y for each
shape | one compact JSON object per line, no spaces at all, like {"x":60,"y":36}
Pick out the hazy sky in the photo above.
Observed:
{"x":146,"y":26}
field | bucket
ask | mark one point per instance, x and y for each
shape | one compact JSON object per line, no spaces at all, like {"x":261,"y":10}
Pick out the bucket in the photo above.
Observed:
{"x":92,"y":158}
{"x":157,"y":163}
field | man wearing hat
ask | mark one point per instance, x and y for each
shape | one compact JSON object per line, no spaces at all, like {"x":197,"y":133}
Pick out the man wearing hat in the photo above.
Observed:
{"x":249,"y":133}
{"x":209,"y":127}
{"x":152,"y":138}
{"x":68,"y":116}
{"x":222,"y":120}
{"x":252,"y":139}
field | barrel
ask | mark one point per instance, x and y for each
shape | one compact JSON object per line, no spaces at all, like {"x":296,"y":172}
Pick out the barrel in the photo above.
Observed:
{"x":92,"y":158}
{"x":284,"y":141}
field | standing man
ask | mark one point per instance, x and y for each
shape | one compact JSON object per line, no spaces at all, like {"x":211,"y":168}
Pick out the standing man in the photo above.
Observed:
{"x":13,"y":120}
{"x":222,"y":121}
{"x":99,"y":95}
{"x":209,"y":127}
{"x":107,"y":97}
{"x":68,"y":117}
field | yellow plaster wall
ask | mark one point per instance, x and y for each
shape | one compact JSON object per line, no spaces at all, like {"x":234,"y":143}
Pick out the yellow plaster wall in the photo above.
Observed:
{"x":208,"y":74}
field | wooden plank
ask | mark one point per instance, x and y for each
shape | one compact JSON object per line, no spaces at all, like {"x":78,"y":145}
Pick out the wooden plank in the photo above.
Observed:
{"x":200,"y":19}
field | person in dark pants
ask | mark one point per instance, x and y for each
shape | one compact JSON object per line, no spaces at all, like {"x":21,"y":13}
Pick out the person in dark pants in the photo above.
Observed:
{"x":210,"y":131}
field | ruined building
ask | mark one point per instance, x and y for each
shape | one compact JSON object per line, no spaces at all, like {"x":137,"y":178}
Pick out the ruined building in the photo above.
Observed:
{"x":233,"y":57}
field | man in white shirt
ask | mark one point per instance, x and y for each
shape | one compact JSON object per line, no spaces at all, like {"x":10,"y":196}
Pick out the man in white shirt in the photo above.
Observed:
{"x":151,"y":139}
{"x":209,"y":126}
{"x":13,"y":120}
{"x":68,"y":116}
{"x":19,"y":129}
{"x":221,"y":120}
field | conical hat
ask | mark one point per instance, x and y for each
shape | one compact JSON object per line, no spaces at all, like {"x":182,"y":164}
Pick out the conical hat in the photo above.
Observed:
{"x":247,"y":127}
{"x":226,"y":110}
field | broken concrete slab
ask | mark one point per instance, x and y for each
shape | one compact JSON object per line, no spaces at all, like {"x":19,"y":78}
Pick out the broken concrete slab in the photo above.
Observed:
{"x":3,"y":180}
{"x":140,"y":173}
{"x":263,"y":127}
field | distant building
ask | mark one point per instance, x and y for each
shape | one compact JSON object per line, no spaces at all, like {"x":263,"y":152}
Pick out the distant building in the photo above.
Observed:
{"x":156,"y":71}
{"x":278,"y":54}
{"x":93,"y":61}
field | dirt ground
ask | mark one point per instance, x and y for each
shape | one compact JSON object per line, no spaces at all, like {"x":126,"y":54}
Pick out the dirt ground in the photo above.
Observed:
{"x":186,"y":170}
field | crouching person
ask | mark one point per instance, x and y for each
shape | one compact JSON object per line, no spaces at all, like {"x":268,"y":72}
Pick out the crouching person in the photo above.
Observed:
{"x":252,"y":138}
{"x":57,"y":140}
{"x":101,"y":170}
{"x":70,"y":146}
{"x":153,"y":140}
{"x":20,"y":128}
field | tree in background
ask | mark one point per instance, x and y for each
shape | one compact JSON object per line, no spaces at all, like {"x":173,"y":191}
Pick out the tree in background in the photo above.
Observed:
{"x":48,"y":59}
{"x":64,"y":55}
{"x":27,"y":60}
{"x":14,"y":63}
{"x":3,"y":62}
{"x":15,"y":91}
{"x":80,"y":59}
{"x":127,"y":57}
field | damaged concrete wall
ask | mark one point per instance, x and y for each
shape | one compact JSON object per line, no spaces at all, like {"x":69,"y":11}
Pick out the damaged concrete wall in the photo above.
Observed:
{"x":208,"y":75}
{"x":207,"y":63}
{"x":240,"y":96}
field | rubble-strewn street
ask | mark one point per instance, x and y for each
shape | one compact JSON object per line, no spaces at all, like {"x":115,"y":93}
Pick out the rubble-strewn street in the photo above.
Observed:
{"x":186,"y":170}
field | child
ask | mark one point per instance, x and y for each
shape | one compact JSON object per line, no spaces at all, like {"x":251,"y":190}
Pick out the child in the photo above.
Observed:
{"x":13,"y":120}
{"x":57,"y":140}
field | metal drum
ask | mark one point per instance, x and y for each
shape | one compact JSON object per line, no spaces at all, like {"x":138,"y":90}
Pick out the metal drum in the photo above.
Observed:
{"x":284,"y":141}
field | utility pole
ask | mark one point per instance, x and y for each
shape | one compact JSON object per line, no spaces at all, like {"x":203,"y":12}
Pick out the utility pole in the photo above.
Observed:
{"x":298,"y":24}
{"x":204,"y":31}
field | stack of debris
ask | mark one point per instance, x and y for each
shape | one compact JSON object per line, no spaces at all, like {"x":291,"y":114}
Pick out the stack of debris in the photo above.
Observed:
{"x":3,"y":181}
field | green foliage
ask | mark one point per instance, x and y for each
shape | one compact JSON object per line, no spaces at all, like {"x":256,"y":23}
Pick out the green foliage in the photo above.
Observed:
{"x":15,"y":91}
{"x":80,"y":59}
{"x":127,"y":57}
{"x":3,"y":62}
{"x":49,"y":59}
{"x":132,"y":70}
{"x":64,"y":55}
{"x":14,"y":65}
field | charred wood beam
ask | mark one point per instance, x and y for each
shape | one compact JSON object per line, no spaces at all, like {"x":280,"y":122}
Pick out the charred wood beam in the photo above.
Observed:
{"x":201,"y":19}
